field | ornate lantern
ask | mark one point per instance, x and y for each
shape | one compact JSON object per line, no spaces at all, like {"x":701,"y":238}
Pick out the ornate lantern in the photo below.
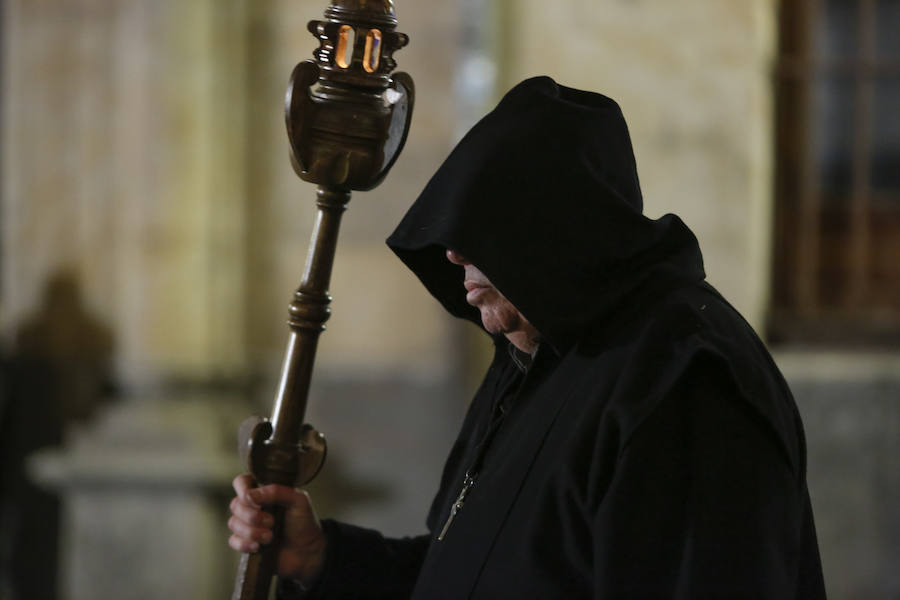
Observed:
{"x":347,"y":117}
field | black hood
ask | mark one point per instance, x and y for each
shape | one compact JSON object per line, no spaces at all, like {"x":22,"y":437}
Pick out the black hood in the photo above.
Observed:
{"x":542,"y":195}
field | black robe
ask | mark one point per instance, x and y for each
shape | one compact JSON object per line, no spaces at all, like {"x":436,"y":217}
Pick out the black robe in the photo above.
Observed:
{"x":651,"y":449}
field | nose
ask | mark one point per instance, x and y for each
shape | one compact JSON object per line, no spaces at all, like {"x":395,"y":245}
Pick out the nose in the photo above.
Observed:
{"x":456,"y":258}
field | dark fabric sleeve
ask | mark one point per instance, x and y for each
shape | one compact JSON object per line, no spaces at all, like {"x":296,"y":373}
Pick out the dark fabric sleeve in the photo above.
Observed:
{"x":704,"y":504}
{"x":362,"y":563}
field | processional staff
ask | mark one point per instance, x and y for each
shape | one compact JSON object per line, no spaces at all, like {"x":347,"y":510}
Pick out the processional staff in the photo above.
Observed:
{"x":347,"y":119}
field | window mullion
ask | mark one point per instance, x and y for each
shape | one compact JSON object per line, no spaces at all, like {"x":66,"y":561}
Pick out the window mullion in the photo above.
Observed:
{"x":806,"y":291}
{"x":860,"y":236}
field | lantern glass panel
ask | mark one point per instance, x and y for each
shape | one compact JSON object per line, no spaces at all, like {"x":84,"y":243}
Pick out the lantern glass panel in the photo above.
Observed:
{"x":372,"y":56}
{"x":346,"y":41}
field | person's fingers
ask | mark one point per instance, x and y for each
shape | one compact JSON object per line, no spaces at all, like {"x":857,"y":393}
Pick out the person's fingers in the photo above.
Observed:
{"x":278,"y":494}
{"x":251,"y":515}
{"x":241,"y":545}
{"x":242,"y":484}
{"x":249,"y":533}
{"x":244,"y":487}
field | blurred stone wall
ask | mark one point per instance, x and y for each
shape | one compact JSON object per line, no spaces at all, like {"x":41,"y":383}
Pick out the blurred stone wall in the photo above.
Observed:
{"x":144,"y":147}
{"x":123,"y":146}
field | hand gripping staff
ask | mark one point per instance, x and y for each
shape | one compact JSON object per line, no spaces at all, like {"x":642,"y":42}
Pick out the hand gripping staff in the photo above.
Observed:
{"x":347,"y":119}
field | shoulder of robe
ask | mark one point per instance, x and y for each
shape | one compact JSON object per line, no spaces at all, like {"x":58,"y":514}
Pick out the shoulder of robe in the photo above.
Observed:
{"x":693,"y":335}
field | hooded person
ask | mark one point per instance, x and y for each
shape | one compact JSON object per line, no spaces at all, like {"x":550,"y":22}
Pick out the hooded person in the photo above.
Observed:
{"x":641,"y":443}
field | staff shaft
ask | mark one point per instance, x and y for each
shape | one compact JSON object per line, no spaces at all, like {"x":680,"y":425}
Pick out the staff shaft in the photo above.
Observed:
{"x":308,"y":313}
{"x":279,"y":459}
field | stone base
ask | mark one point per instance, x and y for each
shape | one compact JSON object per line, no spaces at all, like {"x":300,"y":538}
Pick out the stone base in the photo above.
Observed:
{"x":145,"y":494}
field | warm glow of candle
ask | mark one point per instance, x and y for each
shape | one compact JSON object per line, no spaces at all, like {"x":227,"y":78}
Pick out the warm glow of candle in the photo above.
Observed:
{"x":372,"y":56}
{"x":344,"y":54}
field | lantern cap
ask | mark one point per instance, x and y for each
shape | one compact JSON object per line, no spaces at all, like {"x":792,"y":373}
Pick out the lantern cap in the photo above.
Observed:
{"x":385,"y":7}
{"x":380,"y":12}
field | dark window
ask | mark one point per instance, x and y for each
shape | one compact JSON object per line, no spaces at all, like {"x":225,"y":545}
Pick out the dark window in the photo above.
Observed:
{"x":836,"y":263}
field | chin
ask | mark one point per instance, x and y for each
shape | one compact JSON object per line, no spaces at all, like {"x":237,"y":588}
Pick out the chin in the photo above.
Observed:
{"x":499,"y":319}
